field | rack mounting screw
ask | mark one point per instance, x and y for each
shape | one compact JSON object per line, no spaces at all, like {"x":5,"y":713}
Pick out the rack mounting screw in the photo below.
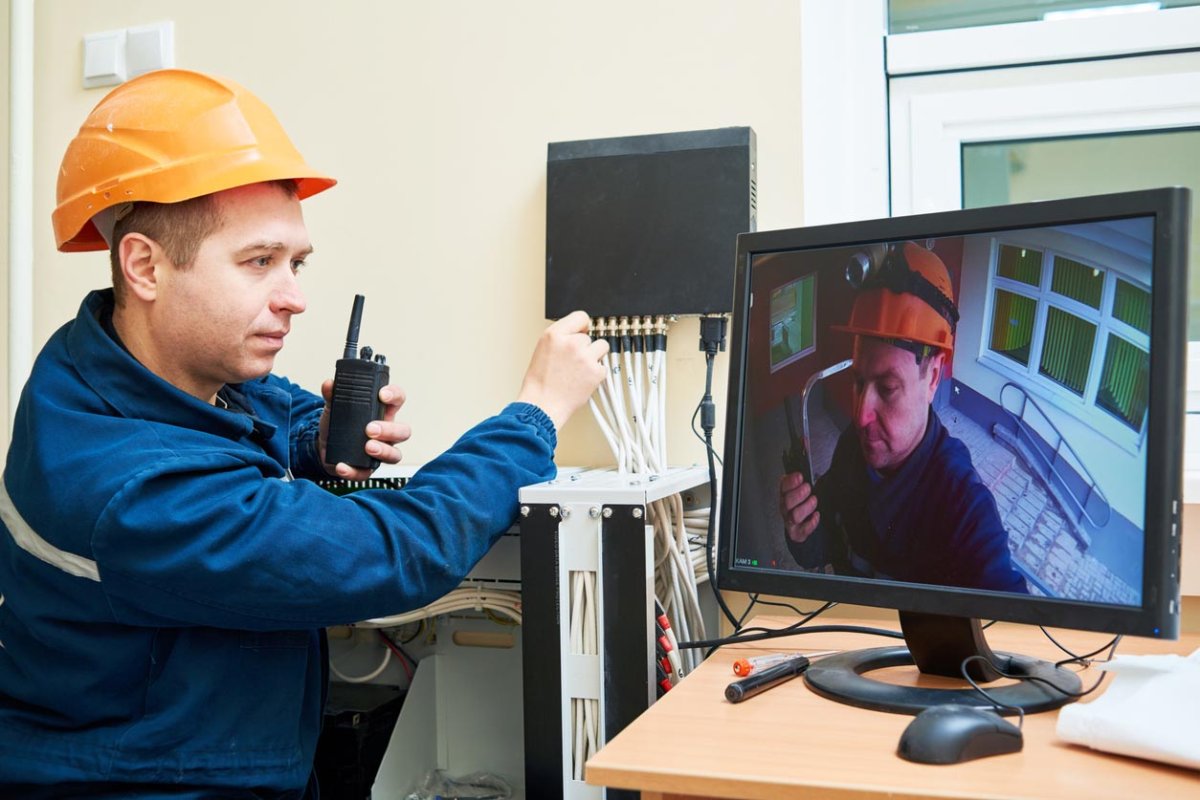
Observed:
{"x":594,"y":512}
{"x":524,"y":511}
{"x":554,"y":511}
{"x":637,"y":512}
{"x":606,"y":513}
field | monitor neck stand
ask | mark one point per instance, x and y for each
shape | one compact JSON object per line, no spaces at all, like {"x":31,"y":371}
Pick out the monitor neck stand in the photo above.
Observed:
{"x":937,"y":644}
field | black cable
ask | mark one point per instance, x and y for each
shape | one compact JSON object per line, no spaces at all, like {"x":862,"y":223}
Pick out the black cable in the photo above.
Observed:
{"x":749,"y":607}
{"x":1020,"y":711}
{"x":1043,"y":681}
{"x":805,"y":618}
{"x":1111,"y":646}
{"x":791,"y":630}
{"x":697,"y":434}
{"x":708,"y":421}
{"x":796,"y":611}
{"x":417,"y":628}
{"x":784,"y":632}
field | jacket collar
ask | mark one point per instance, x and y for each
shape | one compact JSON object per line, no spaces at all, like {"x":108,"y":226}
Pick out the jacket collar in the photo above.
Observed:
{"x":136,"y":392}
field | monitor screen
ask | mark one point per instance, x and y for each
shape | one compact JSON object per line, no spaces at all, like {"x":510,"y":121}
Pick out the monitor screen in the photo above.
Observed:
{"x":973,"y":413}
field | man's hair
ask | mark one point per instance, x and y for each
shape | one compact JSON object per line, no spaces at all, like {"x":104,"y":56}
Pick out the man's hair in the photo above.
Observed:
{"x":179,"y":228}
{"x":924,"y":361}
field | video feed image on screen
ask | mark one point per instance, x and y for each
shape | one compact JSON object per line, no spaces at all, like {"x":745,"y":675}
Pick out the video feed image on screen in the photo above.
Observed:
{"x":964,"y":411}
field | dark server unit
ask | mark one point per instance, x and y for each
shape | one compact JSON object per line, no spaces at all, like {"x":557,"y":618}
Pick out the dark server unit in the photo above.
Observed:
{"x":643,"y":225}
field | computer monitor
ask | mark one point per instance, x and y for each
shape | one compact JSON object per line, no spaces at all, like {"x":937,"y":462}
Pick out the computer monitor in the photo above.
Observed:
{"x":981,"y":419}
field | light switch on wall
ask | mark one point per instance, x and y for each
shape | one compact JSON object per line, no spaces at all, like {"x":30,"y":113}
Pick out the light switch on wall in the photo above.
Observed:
{"x":103,"y":59}
{"x":112,"y":57}
{"x":150,"y":47}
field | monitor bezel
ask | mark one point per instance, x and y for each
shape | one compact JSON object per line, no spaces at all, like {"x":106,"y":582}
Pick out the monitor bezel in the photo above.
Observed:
{"x":1158,"y":616}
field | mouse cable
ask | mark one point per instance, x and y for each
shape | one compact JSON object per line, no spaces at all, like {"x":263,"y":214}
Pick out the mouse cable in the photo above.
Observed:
{"x":1020,"y":711}
{"x":1035,"y":678}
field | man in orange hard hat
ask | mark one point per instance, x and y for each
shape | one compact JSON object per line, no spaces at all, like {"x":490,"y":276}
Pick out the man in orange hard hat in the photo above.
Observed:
{"x":901,"y":500}
{"x":166,"y":560}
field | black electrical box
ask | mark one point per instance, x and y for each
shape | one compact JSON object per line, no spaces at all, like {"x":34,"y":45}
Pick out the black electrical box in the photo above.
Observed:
{"x":643,"y":225}
{"x":359,"y":719}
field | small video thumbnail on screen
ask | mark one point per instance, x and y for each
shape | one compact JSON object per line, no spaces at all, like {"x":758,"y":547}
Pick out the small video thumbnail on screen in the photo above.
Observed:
{"x":963,"y":411}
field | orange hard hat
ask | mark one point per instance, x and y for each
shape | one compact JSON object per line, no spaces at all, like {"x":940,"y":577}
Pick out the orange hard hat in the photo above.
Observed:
{"x":169,"y":136}
{"x":907,"y":298}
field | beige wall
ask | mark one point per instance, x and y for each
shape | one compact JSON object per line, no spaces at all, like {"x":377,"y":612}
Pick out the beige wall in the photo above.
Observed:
{"x":435,"y":117}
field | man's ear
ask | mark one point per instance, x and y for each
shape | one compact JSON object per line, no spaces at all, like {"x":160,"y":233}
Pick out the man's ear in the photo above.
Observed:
{"x":141,"y":257}
{"x":937,"y":366}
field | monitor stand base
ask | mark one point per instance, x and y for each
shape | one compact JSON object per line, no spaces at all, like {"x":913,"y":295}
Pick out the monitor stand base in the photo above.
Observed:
{"x":938,"y":645}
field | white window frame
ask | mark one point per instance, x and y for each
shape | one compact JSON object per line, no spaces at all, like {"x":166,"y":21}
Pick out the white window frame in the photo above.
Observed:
{"x":1029,"y":377}
{"x":1043,"y":42}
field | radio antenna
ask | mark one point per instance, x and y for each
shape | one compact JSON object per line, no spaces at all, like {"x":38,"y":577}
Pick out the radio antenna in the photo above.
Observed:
{"x":352,"y":331}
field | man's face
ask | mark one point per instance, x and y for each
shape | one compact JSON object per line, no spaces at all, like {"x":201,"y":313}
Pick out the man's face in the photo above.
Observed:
{"x":891,"y":400}
{"x":224,"y":319}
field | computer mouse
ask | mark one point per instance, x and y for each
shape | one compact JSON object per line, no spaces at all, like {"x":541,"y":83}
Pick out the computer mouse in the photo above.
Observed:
{"x":951,"y":734}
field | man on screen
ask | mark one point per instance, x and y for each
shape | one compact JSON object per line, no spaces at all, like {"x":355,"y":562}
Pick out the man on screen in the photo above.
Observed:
{"x":901,"y":500}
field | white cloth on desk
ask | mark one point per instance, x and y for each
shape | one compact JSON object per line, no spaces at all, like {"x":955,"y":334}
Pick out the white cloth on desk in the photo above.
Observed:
{"x":1150,"y":710}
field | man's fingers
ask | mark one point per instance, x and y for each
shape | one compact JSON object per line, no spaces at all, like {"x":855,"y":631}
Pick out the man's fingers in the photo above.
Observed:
{"x":392,"y":396}
{"x":383,"y":452}
{"x":798,"y":513}
{"x":793,"y":498}
{"x":575,"y":322}
{"x":791,"y":480}
{"x":388,"y":431}
{"x":800,"y":533}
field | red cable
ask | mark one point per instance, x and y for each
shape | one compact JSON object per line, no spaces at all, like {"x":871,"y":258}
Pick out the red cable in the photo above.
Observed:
{"x":403,"y":659}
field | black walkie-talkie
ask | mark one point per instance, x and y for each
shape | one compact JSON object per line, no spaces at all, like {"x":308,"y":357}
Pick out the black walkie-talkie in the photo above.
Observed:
{"x":356,"y":384}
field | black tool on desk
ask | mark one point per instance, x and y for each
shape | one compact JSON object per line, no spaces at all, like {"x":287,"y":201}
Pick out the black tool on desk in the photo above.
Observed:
{"x":759,"y":682}
{"x":949,"y":734}
{"x":356,"y":384}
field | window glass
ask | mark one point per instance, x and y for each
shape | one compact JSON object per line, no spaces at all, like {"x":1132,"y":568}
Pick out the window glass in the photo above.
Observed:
{"x":1125,"y":382}
{"x":1022,"y":264}
{"x":910,"y":16}
{"x":1131,"y":305}
{"x":1067,"y":349}
{"x":1012,"y":325}
{"x":1078,"y":281}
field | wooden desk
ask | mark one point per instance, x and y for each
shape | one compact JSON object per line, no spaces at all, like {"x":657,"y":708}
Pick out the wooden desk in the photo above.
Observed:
{"x":790,"y":743}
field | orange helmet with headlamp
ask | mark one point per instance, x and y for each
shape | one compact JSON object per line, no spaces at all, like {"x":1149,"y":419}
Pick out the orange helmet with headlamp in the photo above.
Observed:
{"x":905,"y":295}
{"x":169,"y":136}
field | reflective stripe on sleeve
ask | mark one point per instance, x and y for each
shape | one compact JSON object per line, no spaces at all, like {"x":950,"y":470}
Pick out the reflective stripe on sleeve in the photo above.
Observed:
{"x":28,"y":540}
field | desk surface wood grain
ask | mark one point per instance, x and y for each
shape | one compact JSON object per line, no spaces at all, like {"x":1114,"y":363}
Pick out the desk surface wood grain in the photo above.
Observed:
{"x":791,"y":743}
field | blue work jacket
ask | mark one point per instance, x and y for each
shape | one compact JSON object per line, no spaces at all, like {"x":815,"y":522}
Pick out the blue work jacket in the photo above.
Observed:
{"x":931,"y":521}
{"x":166,"y":570}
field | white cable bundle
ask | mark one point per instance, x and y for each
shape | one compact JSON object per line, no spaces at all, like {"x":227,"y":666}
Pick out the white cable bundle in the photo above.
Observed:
{"x":630,"y":409}
{"x":585,"y":640}
{"x":464,"y":598}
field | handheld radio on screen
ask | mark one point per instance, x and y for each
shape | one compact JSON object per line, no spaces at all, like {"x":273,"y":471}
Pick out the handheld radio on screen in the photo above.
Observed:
{"x":357,"y":380}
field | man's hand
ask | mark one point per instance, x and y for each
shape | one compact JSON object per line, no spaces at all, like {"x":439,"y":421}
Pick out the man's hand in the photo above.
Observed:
{"x":798,"y":507}
{"x":565,"y":368}
{"x":382,"y":434}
